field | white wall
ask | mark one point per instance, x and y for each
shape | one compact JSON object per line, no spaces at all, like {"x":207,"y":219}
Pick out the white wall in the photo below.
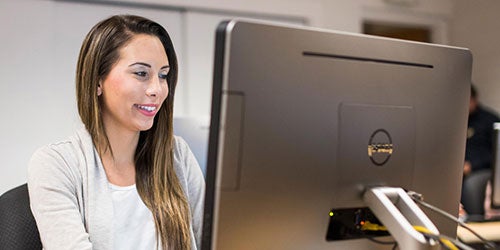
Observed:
{"x":476,"y":26}
{"x":26,"y":68}
{"x":199,"y":57}
{"x":41,"y":40}
{"x":346,"y":15}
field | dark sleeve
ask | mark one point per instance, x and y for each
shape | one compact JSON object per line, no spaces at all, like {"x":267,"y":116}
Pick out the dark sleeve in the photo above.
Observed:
{"x":479,"y":151}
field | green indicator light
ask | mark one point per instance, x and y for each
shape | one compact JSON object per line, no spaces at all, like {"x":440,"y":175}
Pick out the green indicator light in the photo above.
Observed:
{"x":331,"y":213}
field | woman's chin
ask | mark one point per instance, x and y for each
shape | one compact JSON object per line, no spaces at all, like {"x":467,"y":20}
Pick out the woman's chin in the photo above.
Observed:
{"x":145,"y":126}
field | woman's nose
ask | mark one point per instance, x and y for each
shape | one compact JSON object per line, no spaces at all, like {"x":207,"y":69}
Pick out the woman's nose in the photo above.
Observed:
{"x":154,"y":87}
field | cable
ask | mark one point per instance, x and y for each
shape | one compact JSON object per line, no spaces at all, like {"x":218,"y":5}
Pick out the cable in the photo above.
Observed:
{"x":448,"y":242}
{"x":368,"y":226}
{"x":456,"y":242}
{"x":426,"y":232}
{"x":395,"y":246}
{"x":381,"y":242}
{"x":418,"y":198}
{"x":444,"y":240}
{"x":393,"y":243}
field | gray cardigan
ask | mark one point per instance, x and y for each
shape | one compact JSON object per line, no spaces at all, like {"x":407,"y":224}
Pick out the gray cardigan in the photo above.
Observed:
{"x":70,"y":200}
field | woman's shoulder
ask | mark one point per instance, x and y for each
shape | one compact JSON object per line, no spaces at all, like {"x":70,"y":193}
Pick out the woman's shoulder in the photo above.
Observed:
{"x":67,"y":148}
{"x":184,"y":159}
{"x":181,"y":151}
{"x":63,"y":155}
{"x":180,"y":141}
{"x":180,"y":145}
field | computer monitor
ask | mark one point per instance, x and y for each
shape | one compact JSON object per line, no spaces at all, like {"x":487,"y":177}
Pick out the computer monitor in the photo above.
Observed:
{"x":304,"y":120}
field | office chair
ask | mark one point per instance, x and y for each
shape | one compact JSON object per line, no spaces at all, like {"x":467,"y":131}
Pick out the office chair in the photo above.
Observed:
{"x":18,"y":230}
{"x":194,"y":130}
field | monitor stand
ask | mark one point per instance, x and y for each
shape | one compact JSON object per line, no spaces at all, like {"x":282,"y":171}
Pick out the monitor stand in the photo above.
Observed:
{"x":399,"y":214}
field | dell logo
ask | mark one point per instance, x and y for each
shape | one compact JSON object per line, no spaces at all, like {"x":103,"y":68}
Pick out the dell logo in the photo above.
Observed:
{"x":380,"y":147}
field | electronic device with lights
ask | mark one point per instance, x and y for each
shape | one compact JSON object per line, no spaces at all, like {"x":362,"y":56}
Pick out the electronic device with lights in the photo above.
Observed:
{"x":311,"y":130}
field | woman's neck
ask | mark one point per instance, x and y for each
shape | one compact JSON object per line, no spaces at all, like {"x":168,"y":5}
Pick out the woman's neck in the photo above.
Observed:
{"x":119,"y":161}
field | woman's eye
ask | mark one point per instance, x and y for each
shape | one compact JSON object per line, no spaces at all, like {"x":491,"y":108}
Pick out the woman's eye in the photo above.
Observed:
{"x":163,"y":76}
{"x":141,"y":73}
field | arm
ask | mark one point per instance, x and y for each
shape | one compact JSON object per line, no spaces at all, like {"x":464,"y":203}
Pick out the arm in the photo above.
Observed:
{"x":467,"y":168}
{"x":195,"y":189}
{"x":52,"y":186}
{"x":482,"y":159}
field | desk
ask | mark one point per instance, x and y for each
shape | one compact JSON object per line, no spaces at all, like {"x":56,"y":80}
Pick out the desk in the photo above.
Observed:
{"x":488,"y":230}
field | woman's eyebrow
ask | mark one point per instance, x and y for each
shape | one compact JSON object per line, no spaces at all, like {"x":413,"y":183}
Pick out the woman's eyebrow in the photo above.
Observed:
{"x":140,"y":63}
{"x":147,"y":65}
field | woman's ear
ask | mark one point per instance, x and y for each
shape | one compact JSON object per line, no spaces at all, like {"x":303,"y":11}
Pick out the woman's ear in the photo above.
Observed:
{"x":99,"y":89}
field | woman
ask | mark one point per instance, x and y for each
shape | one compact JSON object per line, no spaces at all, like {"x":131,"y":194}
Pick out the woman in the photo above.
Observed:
{"x":124,"y":181}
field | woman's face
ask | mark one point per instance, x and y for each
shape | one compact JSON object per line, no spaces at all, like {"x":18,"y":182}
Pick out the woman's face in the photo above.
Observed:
{"x":136,"y":86}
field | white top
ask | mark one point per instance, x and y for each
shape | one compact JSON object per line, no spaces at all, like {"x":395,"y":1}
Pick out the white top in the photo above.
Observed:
{"x":133,"y":223}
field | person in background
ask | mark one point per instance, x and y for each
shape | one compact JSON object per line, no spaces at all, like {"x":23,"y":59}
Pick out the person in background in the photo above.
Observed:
{"x":124,"y":181}
{"x":478,"y":155}
{"x":479,"y":147}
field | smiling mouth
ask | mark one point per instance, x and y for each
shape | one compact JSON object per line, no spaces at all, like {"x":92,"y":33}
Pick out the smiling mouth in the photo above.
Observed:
{"x":146,"y":108}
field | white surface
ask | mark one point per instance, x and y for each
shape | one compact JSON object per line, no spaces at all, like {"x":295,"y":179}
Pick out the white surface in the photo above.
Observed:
{"x":487,"y":230}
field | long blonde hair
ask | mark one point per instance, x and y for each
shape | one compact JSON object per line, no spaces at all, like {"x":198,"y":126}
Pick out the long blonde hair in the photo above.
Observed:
{"x":156,"y":180}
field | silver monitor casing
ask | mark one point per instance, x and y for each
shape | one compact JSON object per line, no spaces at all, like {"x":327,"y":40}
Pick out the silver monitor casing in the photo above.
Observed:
{"x":294,"y":112}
